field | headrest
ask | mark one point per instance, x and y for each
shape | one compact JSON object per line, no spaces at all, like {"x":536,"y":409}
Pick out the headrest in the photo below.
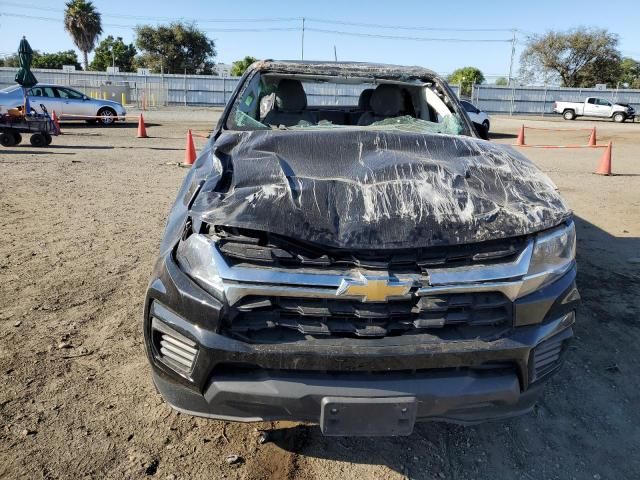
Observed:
{"x":364,"y":102}
{"x":290,"y":96}
{"x":387,"y":100}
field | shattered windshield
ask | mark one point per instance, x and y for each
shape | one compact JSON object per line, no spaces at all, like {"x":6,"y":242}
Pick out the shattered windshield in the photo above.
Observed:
{"x":291,"y":102}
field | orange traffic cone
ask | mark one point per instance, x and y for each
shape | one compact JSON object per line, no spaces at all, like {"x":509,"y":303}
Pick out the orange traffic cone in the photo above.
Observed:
{"x":56,"y":122}
{"x":142,"y":131}
{"x":520,"y":141}
{"x":190,"y":151}
{"x":605,"y":162}
{"x":592,"y":137}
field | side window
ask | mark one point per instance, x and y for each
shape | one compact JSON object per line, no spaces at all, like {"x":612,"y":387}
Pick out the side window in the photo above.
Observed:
{"x":67,"y":93}
{"x":41,"y":92}
{"x":467,"y":107}
{"x":592,"y":101}
{"x":603,"y":102}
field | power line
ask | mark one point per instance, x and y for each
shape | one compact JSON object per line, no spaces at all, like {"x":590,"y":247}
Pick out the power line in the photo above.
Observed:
{"x":162,"y":19}
{"x":406,"y":37}
{"x":115,"y":25}
{"x":405,"y":27}
{"x":272,"y":20}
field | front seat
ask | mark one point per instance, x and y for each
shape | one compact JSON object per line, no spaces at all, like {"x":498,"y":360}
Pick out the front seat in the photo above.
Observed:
{"x":386,"y":102}
{"x":290,"y":105}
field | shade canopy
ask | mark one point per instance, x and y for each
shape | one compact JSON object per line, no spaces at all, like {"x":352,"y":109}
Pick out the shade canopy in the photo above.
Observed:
{"x":25,"y":55}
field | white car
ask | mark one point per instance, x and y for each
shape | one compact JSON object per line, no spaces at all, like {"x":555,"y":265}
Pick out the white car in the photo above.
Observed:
{"x":68,"y":103}
{"x":476,"y":115}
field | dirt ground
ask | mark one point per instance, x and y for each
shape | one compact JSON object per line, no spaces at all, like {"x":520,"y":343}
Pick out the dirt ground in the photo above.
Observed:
{"x":80,"y":225}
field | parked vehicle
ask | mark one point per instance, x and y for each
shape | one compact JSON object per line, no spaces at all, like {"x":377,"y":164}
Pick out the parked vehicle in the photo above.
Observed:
{"x":359,"y":266}
{"x":595,"y":107}
{"x":68,"y":103}
{"x":476,"y":115}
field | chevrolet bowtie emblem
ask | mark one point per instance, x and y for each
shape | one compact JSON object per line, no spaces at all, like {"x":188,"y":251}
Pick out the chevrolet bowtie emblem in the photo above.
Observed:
{"x":373,"y":289}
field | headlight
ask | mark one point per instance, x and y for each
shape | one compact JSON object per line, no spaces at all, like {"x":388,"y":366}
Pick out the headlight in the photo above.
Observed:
{"x":195,"y":257}
{"x":553,"y":255}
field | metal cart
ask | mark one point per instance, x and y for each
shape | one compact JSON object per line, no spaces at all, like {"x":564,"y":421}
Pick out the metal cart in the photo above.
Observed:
{"x":41,"y":128}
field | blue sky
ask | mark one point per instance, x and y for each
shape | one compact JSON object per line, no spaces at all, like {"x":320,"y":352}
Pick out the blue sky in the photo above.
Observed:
{"x":621,"y":17}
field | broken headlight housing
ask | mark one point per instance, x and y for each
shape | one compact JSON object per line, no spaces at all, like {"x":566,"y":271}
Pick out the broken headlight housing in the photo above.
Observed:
{"x":553,"y":255}
{"x":195,"y":256}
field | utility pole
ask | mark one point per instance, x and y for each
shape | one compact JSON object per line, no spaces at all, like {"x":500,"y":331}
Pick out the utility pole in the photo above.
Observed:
{"x":513,"y":54}
{"x":302,"y":49}
{"x":335,"y":54}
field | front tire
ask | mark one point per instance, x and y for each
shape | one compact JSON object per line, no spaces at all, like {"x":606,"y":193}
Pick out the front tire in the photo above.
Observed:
{"x":107,"y":116}
{"x":619,"y":117}
{"x":48,"y":138}
{"x":569,"y":115}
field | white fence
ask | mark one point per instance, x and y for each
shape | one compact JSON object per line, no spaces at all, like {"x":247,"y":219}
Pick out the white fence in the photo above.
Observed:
{"x":539,"y":100}
{"x":162,"y":90}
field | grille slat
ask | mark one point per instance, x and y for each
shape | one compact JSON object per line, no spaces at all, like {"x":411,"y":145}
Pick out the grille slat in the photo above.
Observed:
{"x":172,"y":348}
{"x":546,"y":357}
{"x":261,"y":248}
{"x":341,"y":317}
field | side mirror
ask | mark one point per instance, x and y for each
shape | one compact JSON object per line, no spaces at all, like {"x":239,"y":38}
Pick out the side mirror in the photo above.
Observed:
{"x":84,"y":98}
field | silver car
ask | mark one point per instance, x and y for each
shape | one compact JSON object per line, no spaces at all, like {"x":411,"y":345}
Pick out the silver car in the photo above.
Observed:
{"x":68,"y":103}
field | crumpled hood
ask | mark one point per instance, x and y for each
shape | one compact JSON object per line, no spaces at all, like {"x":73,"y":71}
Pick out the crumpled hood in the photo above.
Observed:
{"x":364,"y":189}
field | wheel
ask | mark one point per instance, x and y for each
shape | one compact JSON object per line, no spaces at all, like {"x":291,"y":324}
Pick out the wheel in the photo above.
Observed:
{"x":38,"y":140}
{"x":18,"y":138}
{"x":107,"y":116}
{"x":619,"y":117}
{"x":486,"y":125}
{"x":569,"y":115}
{"x":48,"y":138}
{"x":7,"y":139}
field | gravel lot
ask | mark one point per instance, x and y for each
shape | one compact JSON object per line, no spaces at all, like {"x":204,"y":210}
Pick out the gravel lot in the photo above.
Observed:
{"x":80,"y":225}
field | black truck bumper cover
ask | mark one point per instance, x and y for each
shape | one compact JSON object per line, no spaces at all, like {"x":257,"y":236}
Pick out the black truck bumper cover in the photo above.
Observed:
{"x":462,"y":381}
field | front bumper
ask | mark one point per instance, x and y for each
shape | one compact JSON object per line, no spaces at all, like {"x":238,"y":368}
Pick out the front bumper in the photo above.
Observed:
{"x":459,"y":381}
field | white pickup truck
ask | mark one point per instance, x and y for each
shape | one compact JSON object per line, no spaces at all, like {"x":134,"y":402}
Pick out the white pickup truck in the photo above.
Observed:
{"x":595,"y":107}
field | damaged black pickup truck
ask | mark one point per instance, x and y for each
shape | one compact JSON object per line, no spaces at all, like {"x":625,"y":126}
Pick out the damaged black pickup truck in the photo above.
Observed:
{"x":347,"y":251}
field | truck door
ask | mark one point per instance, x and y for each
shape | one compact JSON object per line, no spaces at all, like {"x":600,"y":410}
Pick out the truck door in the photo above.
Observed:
{"x":591,"y":107}
{"x":604,"y":107}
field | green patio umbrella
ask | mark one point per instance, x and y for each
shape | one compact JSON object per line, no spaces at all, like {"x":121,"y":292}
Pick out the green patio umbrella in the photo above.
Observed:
{"x":24,"y":76}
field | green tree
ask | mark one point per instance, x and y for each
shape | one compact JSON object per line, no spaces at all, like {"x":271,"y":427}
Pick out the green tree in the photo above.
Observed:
{"x":466,"y":77}
{"x":577,"y":58}
{"x":239,"y":67}
{"x":84,"y":24}
{"x":55,"y":60}
{"x":175,"y":48}
{"x":501,"y":82}
{"x":630,"y":73}
{"x":46,"y":60}
{"x":113,"y":50}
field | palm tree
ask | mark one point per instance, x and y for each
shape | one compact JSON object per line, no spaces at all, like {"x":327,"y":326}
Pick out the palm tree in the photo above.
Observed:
{"x":83,"y":23}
